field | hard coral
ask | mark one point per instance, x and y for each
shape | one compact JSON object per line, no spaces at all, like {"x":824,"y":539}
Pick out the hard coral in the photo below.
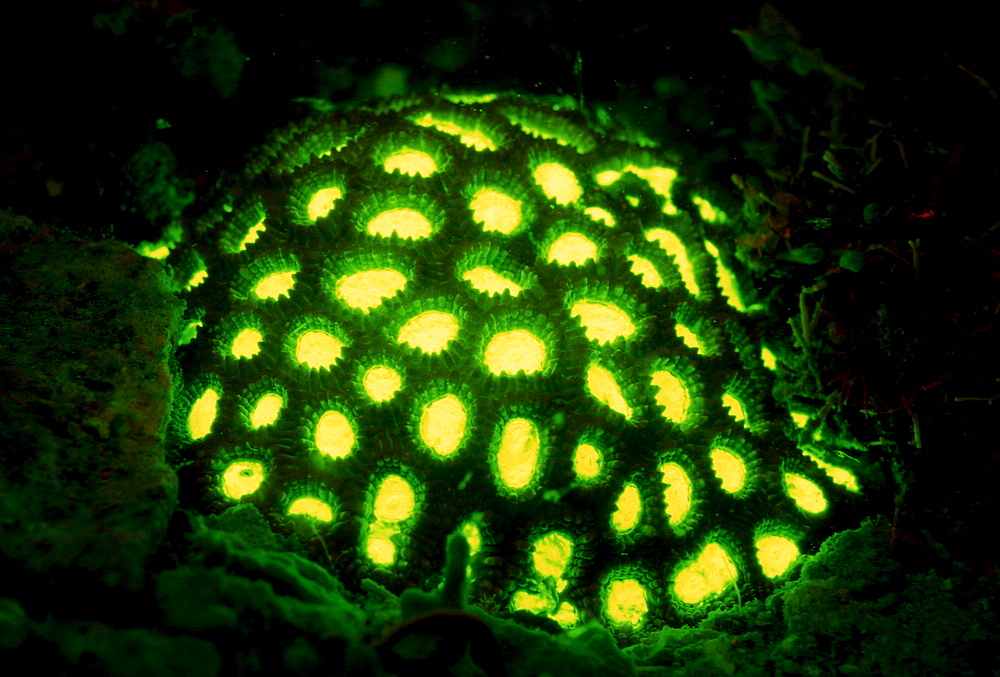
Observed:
{"x":482,"y":312}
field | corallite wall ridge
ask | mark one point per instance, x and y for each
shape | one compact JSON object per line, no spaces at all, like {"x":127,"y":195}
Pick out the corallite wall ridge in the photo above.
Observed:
{"x":479,"y":312}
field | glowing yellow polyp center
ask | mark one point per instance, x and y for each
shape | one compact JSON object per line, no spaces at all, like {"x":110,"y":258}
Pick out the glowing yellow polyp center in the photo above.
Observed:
{"x":676,"y":492}
{"x":768,"y":358}
{"x":647,"y":271}
{"x":558,"y":182}
{"x":497,"y":212}
{"x":411,"y":162}
{"x":707,"y":575}
{"x":660,"y":179}
{"x":367,"y":289}
{"x":381,"y":383}
{"x":552,"y":553}
{"x":602,"y":385}
{"x":406,"y":223}
{"x":734,"y":406}
{"x":602,"y":215}
{"x":490,"y":282}
{"x":334,"y":435}
{"x":689,"y":338}
{"x":275,"y":285}
{"x":586,"y":461}
{"x":517,"y":458}
{"x":729,"y":468}
{"x":252,"y":234}
{"x":442,"y":424}
{"x":626,"y":603}
{"x":566,"y":615}
{"x":266,"y":411}
{"x":628,"y":510}
{"x":672,"y":245}
{"x":472,"y":535}
{"x":572,"y":248}
{"x":545,"y":132}
{"x":380,"y":548}
{"x":705,"y":209}
{"x":247,"y":343}
{"x":197,"y":278}
{"x":727,"y":281}
{"x":533,"y":602}
{"x":776,"y":554}
{"x":805,"y":493}
{"x":154,"y":252}
{"x":606,"y":178}
{"x":430,"y":331}
{"x":841,"y":476}
{"x":514,"y":351}
{"x":473,"y":138}
{"x":395,"y":500}
{"x":322,"y":201}
{"x":311,"y":507}
{"x":242,"y":478}
{"x":603,"y":322}
{"x":318,"y":349}
{"x":203,"y":414}
{"x":672,"y":396}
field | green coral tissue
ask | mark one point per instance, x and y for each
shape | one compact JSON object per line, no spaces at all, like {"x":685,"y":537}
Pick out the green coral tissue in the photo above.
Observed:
{"x":481,"y":313}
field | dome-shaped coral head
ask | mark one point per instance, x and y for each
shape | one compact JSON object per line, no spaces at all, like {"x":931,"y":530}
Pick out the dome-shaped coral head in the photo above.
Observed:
{"x":481,"y":313}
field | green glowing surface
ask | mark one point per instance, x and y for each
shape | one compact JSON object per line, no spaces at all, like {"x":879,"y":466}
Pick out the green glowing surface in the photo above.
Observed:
{"x":481,"y":312}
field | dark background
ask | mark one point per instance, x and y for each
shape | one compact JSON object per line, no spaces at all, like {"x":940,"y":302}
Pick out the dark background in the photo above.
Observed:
{"x":84,"y":86}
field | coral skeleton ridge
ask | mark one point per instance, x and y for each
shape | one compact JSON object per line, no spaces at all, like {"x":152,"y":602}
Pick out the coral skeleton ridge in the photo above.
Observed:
{"x":482,"y":313}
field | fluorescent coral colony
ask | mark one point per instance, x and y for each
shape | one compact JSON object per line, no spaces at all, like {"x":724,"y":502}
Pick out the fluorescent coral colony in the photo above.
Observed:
{"x":480,"y":313}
